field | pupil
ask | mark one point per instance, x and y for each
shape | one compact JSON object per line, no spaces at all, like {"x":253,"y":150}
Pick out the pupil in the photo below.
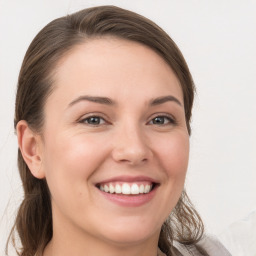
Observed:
{"x":94,"y":120}
{"x":159,"y":120}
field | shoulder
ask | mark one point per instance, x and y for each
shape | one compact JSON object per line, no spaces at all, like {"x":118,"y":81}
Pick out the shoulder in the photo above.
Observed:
{"x":240,"y":236}
{"x":209,"y":244}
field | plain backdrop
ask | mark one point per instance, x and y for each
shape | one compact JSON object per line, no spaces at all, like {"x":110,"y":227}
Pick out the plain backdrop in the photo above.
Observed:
{"x":218,"y":40}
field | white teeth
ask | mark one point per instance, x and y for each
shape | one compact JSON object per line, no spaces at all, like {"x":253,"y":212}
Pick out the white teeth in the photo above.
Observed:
{"x":118,"y":189}
{"x":141,"y":188}
{"x":147,"y":189}
{"x":135,"y":189}
{"x":111,"y":188}
{"x":106,"y":189}
{"x":126,"y":188}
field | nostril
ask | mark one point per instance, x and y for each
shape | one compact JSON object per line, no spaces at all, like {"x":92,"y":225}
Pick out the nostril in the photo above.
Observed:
{"x":131,"y":147}
{"x":130,"y":157}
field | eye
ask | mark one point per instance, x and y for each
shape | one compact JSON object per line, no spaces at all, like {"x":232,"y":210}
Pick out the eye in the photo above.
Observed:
{"x":93,"y":120}
{"x":162,"y":120}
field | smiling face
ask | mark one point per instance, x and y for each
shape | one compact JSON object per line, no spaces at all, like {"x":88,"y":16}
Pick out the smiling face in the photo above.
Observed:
{"x":115,"y":143}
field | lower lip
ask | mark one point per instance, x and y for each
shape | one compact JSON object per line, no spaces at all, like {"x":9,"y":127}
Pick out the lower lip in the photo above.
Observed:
{"x":130,"y":200}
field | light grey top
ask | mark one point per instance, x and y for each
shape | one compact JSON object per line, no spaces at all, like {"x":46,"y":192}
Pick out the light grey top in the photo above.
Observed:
{"x":210,"y":244}
{"x":240,"y":237}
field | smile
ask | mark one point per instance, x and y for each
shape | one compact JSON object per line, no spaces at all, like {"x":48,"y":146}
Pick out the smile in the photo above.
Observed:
{"x":134,"y":188}
{"x":127,"y":191}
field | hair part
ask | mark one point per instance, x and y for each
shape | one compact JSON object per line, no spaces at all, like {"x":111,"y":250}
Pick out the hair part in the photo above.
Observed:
{"x":36,"y":82}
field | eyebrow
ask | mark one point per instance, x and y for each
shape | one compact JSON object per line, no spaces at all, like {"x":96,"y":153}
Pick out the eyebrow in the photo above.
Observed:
{"x":163,"y":99}
{"x":96,"y":99}
{"x":108,"y":101}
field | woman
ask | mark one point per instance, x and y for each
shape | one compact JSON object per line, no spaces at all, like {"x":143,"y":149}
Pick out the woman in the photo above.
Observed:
{"x":102,"y":118}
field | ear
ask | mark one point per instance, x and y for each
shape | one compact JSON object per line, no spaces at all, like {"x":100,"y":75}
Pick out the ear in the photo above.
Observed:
{"x":30,"y":145}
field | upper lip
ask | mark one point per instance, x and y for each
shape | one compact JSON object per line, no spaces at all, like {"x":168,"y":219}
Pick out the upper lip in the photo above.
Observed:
{"x":125,"y":178}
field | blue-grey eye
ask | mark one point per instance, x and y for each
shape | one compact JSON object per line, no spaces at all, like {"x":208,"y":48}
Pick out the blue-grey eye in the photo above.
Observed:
{"x":161,"y":120}
{"x":93,"y":120}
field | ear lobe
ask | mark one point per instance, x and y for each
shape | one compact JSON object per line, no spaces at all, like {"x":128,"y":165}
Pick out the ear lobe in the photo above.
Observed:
{"x":29,"y":144}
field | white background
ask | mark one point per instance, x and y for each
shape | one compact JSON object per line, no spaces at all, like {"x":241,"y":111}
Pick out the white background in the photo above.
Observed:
{"x":218,"y":40}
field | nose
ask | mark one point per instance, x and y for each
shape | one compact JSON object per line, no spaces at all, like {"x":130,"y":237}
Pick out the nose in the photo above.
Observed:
{"x":131,"y":146}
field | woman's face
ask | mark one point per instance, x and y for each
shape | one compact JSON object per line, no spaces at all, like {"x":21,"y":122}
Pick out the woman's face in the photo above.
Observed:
{"x":115,"y":143}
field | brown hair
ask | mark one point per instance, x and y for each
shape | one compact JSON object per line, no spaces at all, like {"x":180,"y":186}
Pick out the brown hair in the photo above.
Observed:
{"x":34,"y":220}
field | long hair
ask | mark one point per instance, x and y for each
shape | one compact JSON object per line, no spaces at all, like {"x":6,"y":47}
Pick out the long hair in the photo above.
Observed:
{"x":33,"y":224}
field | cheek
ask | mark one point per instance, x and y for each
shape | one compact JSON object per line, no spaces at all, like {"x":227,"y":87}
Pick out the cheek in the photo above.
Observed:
{"x":174,"y":154}
{"x":73,"y":154}
{"x":69,"y":163}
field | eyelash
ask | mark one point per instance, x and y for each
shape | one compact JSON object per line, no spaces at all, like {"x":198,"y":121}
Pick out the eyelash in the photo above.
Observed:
{"x":169,"y":118}
{"x":85,"y":120}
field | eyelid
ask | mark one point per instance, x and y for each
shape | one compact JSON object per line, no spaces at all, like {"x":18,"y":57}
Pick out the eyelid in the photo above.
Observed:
{"x":94,"y":114}
{"x":102,"y":116}
{"x":165,"y":115}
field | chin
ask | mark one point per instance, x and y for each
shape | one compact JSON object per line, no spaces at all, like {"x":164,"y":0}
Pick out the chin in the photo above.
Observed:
{"x":131,"y":234}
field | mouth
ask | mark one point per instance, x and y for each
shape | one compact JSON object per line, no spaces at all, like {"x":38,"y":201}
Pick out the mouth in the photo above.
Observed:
{"x":127,"y":188}
{"x":127,"y":191}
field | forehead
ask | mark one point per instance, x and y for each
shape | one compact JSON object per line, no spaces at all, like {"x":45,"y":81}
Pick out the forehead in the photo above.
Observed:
{"x":102,"y":64}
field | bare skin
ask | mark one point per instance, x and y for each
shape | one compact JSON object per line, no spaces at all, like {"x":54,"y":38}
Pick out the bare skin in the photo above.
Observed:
{"x":116,"y":115}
